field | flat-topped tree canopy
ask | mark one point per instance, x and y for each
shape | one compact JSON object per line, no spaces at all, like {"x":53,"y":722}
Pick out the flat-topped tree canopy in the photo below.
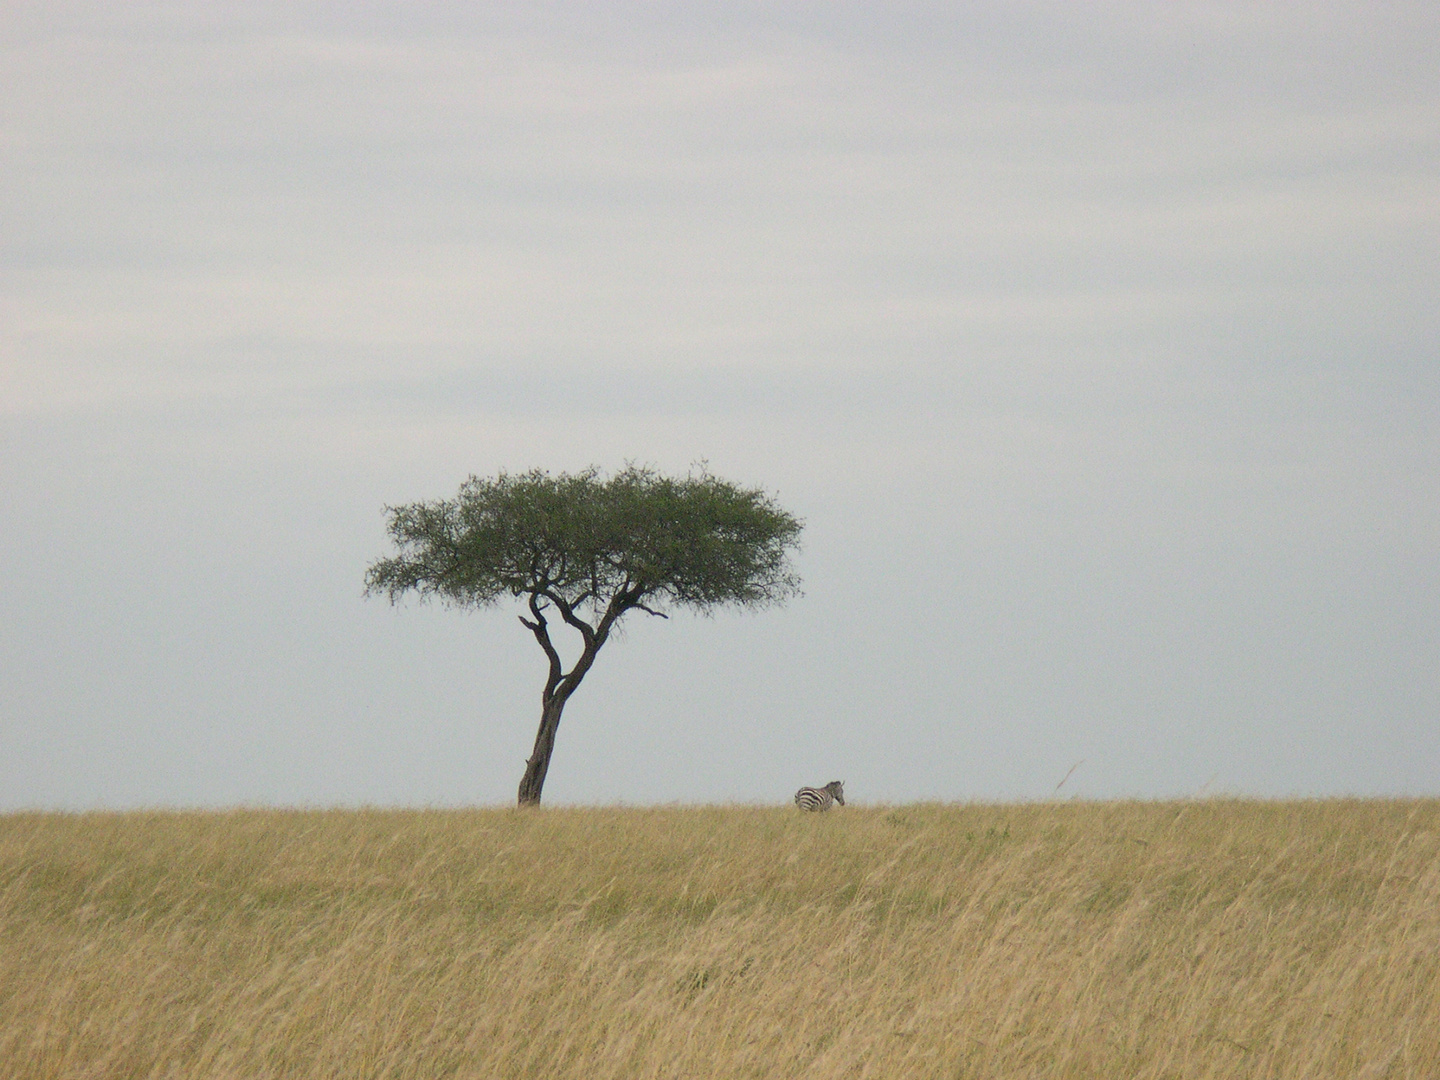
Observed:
{"x":593,"y":549}
{"x":696,"y":541}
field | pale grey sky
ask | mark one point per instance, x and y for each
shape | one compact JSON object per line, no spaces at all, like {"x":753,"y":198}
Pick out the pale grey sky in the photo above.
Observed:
{"x":1098,"y":345}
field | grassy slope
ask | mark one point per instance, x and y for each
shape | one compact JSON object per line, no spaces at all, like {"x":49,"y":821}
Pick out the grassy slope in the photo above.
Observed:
{"x":1217,"y":938}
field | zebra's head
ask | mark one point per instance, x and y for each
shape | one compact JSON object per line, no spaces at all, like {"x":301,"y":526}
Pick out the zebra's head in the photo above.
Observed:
{"x":837,"y":788}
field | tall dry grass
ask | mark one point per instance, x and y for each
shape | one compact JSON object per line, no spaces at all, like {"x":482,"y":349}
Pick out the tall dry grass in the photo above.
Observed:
{"x":1206,"y":939}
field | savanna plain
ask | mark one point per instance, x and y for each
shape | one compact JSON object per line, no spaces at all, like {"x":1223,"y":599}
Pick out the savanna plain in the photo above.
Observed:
{"x":1213,"y":938}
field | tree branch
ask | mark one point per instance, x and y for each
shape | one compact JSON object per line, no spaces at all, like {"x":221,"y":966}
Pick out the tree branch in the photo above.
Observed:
{"x":568,"y":614}
{"x":542,"y":635}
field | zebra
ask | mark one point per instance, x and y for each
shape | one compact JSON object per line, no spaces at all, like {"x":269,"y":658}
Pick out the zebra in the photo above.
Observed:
{"x":821,"y":798}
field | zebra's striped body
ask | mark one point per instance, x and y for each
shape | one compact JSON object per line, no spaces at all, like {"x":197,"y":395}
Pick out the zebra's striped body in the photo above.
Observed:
{"x":820,"y":798}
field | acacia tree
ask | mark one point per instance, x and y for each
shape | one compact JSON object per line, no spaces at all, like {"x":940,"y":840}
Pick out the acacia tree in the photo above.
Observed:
{"x":592,"y":550}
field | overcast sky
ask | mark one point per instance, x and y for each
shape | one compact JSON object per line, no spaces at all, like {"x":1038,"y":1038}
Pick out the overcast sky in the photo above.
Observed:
{"x":1097,"y":344}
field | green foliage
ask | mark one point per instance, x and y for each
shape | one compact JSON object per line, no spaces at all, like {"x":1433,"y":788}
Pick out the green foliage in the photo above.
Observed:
{"x":636,"y":539}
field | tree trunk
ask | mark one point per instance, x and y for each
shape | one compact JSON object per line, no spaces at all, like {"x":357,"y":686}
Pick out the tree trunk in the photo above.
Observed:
{"x":557,"y":692}
{"x":539,"y":763}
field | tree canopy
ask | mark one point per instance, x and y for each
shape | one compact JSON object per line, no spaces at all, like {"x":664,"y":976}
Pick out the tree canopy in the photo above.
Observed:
{"x":591,"y":549}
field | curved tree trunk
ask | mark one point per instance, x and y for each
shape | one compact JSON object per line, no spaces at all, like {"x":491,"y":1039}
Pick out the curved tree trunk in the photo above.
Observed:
{"x":558,"y":688}
{"x":539,"y":762}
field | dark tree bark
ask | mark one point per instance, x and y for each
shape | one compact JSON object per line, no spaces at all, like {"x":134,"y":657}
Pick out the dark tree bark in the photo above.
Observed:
{"x":538,"y":764}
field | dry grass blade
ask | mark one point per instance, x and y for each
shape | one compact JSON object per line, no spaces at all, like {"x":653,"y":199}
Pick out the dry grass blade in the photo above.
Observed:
{"x":1208,"y":939}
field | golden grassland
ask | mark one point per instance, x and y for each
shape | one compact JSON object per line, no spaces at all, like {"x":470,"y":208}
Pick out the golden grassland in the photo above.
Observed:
{"x":1218,"y":938}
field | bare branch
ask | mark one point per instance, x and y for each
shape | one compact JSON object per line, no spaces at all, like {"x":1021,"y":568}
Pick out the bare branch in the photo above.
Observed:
{"x":542,"y":634}
{"x":567,"y":612}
